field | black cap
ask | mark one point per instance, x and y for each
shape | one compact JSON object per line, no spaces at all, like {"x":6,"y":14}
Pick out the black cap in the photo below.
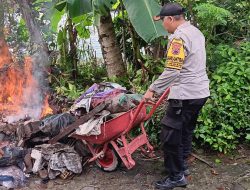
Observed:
{"x":170,"y":9}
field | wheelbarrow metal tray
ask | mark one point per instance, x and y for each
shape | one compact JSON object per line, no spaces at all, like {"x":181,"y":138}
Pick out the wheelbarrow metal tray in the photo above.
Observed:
{"x":114,"y":127}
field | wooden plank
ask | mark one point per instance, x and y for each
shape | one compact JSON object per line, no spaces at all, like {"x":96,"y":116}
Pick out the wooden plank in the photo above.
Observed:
{"x":66,"y":131}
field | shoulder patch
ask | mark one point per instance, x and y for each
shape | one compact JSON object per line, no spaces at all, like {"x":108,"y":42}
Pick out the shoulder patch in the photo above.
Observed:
{"x":175,"y":54}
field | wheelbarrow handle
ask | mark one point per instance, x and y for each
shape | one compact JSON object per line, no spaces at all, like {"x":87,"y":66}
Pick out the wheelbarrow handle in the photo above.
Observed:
{"x":155,"y":105}
{"x":134,"y":116}
{"x":142,"y":103}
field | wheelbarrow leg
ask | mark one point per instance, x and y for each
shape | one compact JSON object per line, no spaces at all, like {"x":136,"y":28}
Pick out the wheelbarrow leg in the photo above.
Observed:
{"x":131,"y":162}
{"x":126,"y":149}
{"x":124,"y":152}
{"x":148,"y":150}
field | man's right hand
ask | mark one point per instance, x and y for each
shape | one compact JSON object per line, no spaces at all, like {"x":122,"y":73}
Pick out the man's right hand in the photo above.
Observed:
{"x":148,"y":95}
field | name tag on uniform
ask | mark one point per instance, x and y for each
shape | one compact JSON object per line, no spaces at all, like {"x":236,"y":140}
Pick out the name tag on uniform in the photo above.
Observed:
{"x":175,"y":54}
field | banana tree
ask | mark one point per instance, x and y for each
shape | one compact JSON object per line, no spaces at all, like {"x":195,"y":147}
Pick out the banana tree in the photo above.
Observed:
{"x":140,"y":13}
{"x":69,"y":33}
{"x":100,"y":8}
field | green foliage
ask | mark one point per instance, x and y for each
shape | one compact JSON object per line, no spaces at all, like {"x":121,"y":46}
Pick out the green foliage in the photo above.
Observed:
{"x":22,"y":32}
{"x":142,"y":78}
{"x":217,"y":161}
{"x":153,"y":126}
{"x":139,"y":81}
{"x":224,"y":120}
{"x":18,"y":36}
{"x":55,"y":17}
{"x":209,"y":16}
{"x":140,"y":14}
{"x":89,"y":73}
{"x":248,"y":136}
{"x":75,"y":8}
{"x":68,"y":89}
{"x":102,"y":6}
{"x":82,"y":24}
{"x":238,"y":25}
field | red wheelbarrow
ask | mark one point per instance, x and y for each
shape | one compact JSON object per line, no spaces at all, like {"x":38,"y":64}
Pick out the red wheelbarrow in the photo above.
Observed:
{"x":114,"y":145}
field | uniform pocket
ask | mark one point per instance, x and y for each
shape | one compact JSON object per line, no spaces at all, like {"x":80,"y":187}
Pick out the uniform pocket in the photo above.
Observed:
{"x":173,"y":116}
{"x":170,"y":135}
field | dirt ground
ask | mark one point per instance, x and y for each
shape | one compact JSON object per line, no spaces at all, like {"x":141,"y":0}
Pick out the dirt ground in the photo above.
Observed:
{"x":232,"y":173}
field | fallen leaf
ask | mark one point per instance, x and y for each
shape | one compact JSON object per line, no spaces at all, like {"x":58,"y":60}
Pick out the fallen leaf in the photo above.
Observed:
{"x":214,"y":172}
{"x":189,"y":178}
{"x":221,"y":155}
{"x":190,"y":159}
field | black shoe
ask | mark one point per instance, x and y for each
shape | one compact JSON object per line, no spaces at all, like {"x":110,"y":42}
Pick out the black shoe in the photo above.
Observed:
{"x":168,"y":184}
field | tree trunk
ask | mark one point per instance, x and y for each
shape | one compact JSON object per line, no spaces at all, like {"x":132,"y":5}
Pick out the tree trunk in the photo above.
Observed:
{"x":63,"y":48}
{"x":72,"y":52}
{"x":110,"y":49}
{"x":35,"y":34}
{"x":123,"y":35}
{"x":157,"y":50}
{"x":137,"y":57}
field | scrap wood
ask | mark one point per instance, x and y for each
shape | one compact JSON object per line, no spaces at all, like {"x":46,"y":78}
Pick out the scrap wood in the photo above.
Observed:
{"x":149,"y":157}
{"x":241,"y":157}
{"x":203,"y":160}
{"x":77,"y":123}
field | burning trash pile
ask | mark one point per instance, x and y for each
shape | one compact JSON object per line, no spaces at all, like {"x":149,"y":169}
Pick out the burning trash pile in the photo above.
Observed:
{"x":21,"y":93}
{"x":27,"y":123}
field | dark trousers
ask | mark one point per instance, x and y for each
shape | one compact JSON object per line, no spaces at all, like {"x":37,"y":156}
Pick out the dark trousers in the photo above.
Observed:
{"x":177,"y":131}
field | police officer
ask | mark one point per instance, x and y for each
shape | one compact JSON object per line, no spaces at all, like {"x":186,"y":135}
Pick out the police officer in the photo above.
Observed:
{"x":185,"y":74}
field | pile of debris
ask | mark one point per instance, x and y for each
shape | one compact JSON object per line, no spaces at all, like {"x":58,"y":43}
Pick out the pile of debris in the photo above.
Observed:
{"x":44,"y":147}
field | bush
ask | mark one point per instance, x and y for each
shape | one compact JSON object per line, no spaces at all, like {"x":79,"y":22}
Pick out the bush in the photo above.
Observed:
{"x":88,"y":74}
{"x":225,"y":121}
{"x":209,"y":16}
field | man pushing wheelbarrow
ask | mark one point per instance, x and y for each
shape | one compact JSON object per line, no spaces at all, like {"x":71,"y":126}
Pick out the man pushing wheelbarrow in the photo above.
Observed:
{"x":186,"y":73}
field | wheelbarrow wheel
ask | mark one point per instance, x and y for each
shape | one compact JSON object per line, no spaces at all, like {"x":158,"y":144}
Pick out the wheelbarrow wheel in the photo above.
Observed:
{"x":110,"y":161}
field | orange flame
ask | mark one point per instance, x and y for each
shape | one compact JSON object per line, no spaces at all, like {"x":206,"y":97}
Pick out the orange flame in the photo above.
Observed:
{"x":46,"y":109}
{"x":18,"y":87}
